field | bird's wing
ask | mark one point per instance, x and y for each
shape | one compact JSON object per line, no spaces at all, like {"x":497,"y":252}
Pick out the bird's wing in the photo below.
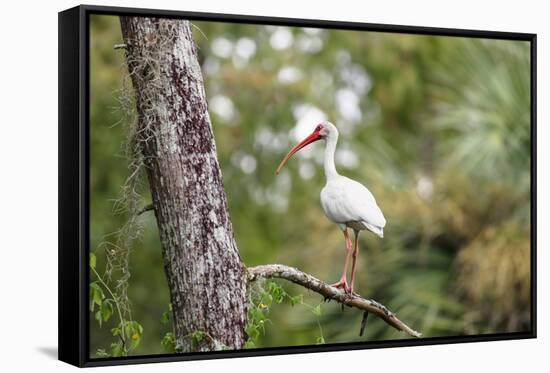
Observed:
{"x":361,"y":204}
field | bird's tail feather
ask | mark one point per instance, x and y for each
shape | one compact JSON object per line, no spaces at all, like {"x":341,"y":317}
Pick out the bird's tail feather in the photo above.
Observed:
{"x":374,"y":229}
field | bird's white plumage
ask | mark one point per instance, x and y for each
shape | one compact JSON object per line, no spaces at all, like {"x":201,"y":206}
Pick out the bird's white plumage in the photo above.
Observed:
{"x":345,"y":201}
{"x":350,"y":204}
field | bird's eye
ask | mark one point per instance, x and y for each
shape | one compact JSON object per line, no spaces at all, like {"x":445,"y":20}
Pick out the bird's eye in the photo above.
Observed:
{"x":318,"y":128}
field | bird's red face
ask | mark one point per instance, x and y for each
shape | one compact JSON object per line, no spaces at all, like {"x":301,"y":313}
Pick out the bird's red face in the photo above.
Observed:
{"x":318,"y":133}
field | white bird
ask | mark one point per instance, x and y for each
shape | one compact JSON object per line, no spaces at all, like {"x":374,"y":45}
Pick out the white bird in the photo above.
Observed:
{"x":346,"y":202}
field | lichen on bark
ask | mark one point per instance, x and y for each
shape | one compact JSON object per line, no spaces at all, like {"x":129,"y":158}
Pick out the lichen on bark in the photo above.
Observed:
{"x":206,"y":278}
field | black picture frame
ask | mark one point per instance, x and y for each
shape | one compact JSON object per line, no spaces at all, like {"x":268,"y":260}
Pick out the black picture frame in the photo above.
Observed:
{"x":73,"y":44}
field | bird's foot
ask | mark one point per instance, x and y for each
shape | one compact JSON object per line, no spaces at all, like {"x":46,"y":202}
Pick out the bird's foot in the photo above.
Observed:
{"x":343,"y":284}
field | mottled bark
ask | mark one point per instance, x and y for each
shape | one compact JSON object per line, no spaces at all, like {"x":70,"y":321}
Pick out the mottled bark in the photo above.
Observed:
{"x":206,"y":278}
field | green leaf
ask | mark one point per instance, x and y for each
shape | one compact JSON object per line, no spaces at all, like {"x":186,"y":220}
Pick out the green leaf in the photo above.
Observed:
{"x":297,"y":299}
{"x":165,"y":318}
{"x":249,"y":344}
{"x":316,"y":310}
{"x":168,"y":342}
{"x":133,"y":331}
{"x":320,"y":340}
{"x":252,"y":331}
{"x":257,"y":315}
{"x":276,"y":291}
{"x":98,"y":317}
{"x":106,"y":310}
{"x":115,"y":331}
{"x":117,"y":349}
{"x":267,"y":299}
{"x":197,"y":337}
{"x":261,"y":325}
{"x":101,"y":353}
{"x":93,"y":260}
{"x":96,"y":295}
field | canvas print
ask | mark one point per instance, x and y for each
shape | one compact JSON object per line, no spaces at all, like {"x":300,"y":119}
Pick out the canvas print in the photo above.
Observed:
{"x":260,"y":186}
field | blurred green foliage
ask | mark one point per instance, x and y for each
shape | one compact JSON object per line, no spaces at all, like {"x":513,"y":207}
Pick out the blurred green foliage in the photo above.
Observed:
{"x":438,"y":128}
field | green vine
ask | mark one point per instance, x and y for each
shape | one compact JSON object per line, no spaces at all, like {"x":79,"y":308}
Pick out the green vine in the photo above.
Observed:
{"x":109,"y":292}
{"x":168,"y":341}
{"x":269,"y":294}
{"x":103,"y":303}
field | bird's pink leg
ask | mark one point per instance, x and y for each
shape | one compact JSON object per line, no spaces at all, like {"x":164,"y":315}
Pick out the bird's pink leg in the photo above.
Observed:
{"x":355,"y":253}
{"x":343,"y":283}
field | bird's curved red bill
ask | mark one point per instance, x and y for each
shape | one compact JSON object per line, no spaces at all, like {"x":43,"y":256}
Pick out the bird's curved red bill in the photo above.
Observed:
{"x":308,"y":140}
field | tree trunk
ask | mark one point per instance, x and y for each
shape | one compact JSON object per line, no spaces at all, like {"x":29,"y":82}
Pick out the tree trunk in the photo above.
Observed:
{"x":206,"y":278}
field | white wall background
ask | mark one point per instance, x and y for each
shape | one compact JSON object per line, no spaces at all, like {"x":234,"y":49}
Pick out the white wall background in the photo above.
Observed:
{"x":28,"y":184}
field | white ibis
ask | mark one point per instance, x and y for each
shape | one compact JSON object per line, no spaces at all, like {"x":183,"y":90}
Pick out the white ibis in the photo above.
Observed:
{"x":345,"y":201}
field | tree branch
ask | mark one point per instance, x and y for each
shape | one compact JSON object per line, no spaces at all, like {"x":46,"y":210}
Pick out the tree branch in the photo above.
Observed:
{"x":146,"y":208}
{"x":352,"y":300}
